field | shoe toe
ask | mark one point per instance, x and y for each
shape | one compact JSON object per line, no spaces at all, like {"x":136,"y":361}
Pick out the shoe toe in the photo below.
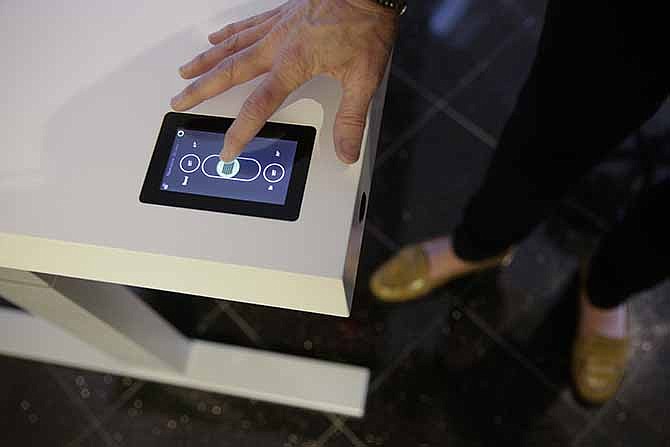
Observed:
{"x":598,"y":368}
{"x":402,"y":277}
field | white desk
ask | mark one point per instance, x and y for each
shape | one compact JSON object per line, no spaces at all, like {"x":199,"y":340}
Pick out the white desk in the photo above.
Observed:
{"x":87,"y":86}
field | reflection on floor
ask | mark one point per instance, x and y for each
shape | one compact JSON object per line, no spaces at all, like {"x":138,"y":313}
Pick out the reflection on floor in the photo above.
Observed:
{"x":481,"y":362}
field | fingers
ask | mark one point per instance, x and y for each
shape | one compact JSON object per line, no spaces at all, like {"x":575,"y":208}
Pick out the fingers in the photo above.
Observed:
{"x":237,"y":69}
{"x":350,"y":121}
{"x":207,"y":60}
{"x":258,"y":108}
{"x":229,"y":30}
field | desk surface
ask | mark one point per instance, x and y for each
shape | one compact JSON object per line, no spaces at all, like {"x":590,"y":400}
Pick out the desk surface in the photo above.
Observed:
{"x":84,"y":93}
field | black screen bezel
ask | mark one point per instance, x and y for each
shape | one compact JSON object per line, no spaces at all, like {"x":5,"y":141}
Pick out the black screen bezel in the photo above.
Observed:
{"x":151,"y":193}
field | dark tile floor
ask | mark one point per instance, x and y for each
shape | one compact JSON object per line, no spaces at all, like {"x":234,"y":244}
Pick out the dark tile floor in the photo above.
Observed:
{"x":483,"y":361}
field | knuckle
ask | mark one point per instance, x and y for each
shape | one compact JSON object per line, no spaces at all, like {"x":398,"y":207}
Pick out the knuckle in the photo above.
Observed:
{"x":287,"y":78}
{"x":201,"y":59}
{"x":290,"y":70}
{"x":351,"y":119}
{"x":226,"y":70}
{"x":228,"y":30}
{"x":256,"y":105}
{"x":191,"y":90}
{"x":230,"y":45}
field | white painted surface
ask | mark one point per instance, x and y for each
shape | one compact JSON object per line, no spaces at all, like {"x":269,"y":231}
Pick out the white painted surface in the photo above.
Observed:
{"x":196,"y":277}
{"x":248,"y":373}
{"x":107,"y":317}
{"x":23,"y":277}
{"x":87,"y":85}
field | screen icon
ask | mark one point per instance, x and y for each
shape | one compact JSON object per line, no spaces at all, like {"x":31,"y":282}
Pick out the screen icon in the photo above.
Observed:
{"x":271,"y":188}
{"x":274,"y":172}
{"x":195,"y":144}
{"x":180,"y":133}
{"x":189,"y":163}
{"x":164,"y":186}
{"x":228,"y":170}
{"x":277,"y":154}
{"x":185,"y":182}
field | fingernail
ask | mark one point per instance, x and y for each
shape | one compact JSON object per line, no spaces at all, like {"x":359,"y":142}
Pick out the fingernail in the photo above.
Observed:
{"x":225,"y":156}
{"x":174,"y":102}
{"x":349,"y":153}
{"x":182,"y":70}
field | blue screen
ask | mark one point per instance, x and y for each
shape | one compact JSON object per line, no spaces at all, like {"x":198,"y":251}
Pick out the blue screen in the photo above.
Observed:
{"x":260,"y":174}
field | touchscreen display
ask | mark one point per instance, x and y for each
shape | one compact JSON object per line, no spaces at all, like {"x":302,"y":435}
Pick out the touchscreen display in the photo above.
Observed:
{"x":262,"y":173}
{"x":267,"y":180}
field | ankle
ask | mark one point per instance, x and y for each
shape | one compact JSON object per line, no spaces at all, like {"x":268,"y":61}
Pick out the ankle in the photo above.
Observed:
{"x":612,"y":323}
{"x":443,"y":259}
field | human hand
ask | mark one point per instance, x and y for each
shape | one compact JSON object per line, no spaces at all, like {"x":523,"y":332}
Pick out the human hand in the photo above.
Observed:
{"x":349,"y":40}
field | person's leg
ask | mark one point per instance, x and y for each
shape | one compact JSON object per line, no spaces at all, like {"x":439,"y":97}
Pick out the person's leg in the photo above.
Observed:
{"x":597,"y":77}
{"x":633,"y":257}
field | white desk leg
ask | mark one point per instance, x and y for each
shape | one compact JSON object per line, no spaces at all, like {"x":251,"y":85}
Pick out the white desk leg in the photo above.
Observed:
{"x":107,"y":316}
{"x":105,"y":327}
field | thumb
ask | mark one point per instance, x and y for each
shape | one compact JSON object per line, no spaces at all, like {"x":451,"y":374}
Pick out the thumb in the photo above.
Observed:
{"x":350,"y":122}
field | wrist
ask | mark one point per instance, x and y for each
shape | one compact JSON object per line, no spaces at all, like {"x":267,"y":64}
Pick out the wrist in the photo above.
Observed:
{"x":398,"y":6}
{"x":378,"y":7}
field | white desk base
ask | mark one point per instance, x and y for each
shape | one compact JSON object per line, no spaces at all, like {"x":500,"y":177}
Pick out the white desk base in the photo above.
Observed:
{"x":105,"y":327}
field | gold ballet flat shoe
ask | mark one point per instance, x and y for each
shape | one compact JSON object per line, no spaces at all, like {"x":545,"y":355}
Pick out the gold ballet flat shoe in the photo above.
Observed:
{"x":405,"y":276}
{"x":598,"y":365}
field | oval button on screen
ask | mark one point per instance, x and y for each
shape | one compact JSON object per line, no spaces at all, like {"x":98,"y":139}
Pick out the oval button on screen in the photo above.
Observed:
{"x":243,"y":169}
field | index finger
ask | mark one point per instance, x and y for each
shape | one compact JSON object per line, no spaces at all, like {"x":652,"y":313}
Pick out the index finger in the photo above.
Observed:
{"x":236,"y":69}
{"x":257,"y":109}
{"x":227,"y":31}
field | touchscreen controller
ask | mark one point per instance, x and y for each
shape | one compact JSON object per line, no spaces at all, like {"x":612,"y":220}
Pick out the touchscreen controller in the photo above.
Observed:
{"x":260,"y":174}
{"x":267,"y":180}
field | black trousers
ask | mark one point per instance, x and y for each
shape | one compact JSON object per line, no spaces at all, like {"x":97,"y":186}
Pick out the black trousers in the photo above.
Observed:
{"x":600,"y":72}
